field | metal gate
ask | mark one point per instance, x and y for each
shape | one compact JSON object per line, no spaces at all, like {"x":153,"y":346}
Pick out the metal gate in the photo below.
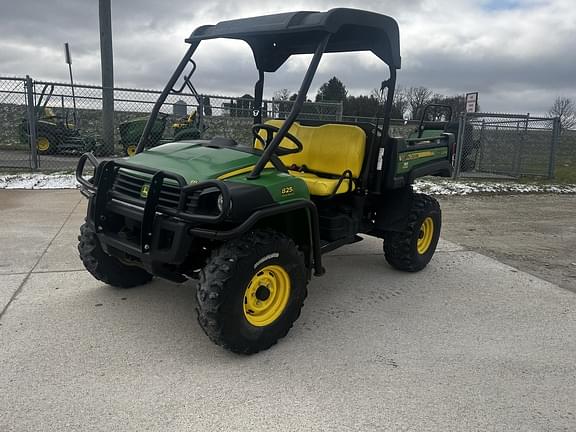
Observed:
{"x":506,"y":145}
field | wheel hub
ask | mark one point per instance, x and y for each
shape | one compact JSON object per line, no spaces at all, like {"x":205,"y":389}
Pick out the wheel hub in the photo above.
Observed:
{"x":266,"y":296}
{"x":42,"y":144}
{"x":262,"y":293}
{"x":425,"y":236}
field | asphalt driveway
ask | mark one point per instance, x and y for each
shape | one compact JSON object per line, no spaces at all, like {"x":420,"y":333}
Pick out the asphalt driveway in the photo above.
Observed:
{"x":467,"y":344}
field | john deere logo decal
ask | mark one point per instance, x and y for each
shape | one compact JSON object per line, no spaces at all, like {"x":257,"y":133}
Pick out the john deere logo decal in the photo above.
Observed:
{"x":144,"y":190}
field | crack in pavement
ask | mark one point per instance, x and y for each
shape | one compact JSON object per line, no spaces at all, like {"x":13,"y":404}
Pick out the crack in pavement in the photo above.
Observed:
{"x":21,"y":286}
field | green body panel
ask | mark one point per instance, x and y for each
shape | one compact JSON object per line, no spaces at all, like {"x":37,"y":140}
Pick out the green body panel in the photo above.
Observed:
{"x":196,"y":163}
{"x":282,"y":186}
{"x":193,"y":161}
{"x":408,"y":160}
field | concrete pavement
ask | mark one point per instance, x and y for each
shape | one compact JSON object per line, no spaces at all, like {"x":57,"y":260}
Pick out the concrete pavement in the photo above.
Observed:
{"x":467,"y":344}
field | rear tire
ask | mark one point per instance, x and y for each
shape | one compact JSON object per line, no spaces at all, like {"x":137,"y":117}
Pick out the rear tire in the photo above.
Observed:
{"x":105,"y":267}
{"x":412,"y":248}
{"x":251,"y":291}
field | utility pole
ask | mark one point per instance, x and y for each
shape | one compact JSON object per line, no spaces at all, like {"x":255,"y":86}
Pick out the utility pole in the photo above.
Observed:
{"x":107,"y":66}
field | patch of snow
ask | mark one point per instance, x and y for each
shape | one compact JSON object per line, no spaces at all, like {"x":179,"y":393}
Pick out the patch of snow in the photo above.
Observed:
{"x":453,"y":187}
{"x":437,"y":187}
{"x":38,"y":181}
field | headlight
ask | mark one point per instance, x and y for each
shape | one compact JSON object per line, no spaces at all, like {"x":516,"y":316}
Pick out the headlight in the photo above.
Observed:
{"x":220,"y":203}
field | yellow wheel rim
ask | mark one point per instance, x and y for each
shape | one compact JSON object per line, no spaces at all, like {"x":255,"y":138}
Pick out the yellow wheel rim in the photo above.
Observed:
{"x":42,"y":143}
{"x":425,"y":236}
{"x":131,"y":150}
{"x":266,"y":296}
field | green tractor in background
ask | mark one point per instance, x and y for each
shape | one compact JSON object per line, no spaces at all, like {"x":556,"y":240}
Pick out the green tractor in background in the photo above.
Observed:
{"x":185,"y":128}
{"x":56,"y":134}
{"x":251,"y":221}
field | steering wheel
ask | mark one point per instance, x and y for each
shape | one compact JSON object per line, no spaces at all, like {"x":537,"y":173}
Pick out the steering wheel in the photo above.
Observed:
{"x":280,"y":151}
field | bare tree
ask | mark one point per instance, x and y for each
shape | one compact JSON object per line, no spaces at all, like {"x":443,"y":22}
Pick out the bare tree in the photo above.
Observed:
{"x":564,"y":108}
{"x":283,"y":94}
{"x":399,"y":105}
{"x":417,"y":99}
{"x":282,"y":105}
{"x":378,"y":95}
{"x":457,"y":103}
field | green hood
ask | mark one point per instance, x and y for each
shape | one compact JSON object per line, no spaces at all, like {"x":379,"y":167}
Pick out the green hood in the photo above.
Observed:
{"x":193,"y":161}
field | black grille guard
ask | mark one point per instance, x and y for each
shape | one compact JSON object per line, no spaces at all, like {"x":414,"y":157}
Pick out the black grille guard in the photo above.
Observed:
{"x":101,"y":187}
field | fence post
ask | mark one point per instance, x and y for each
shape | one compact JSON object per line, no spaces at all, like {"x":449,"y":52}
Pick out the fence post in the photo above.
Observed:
{"x":200,"y":111}
{"x":31,"y":111}
{"x":520,"y":143}
{"x":459,"y":144}
{"x":554,"y":147}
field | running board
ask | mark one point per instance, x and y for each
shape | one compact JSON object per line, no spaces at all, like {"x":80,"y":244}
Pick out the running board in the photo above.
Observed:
{"x":326,"y":247}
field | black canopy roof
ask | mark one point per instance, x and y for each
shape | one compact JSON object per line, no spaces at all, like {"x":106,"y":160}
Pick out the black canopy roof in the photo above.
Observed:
{"x":274,"y":38}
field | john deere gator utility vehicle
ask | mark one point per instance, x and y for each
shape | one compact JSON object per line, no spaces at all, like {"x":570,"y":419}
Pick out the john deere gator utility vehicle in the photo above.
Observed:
{"x":252,"y":220}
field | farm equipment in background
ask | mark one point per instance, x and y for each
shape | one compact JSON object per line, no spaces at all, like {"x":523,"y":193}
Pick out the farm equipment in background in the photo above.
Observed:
{"x":131,"y":131}
{"x":188,"y":127}
{"x":56,"y":134}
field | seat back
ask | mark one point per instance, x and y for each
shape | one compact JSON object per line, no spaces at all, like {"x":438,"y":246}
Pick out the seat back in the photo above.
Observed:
{"x":329,"y":149}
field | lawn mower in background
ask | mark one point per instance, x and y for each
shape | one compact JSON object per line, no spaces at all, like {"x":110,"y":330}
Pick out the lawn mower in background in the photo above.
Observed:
{"x":184,"y":128}
{"x":56,"y":134}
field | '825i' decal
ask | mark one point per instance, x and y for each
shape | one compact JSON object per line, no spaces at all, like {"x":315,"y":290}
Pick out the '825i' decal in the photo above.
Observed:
{"x":287,"y":190}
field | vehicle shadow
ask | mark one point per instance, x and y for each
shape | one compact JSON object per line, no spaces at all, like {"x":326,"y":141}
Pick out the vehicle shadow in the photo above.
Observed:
{"x":162,"y":316}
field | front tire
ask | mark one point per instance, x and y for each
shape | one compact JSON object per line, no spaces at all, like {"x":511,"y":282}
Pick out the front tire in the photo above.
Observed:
{"x":105,"y":267}
{"x":251,"y":291}
{"x":45,"y":144}
{"x":130,"y":150}
{"x":412,"y":248}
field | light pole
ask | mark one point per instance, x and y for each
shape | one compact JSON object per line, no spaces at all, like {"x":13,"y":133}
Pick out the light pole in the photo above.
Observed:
{"x":107,"y":66}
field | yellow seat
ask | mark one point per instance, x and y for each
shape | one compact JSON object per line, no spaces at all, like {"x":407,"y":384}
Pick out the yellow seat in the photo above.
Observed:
{"x":329,"y":152}
{"x":322,"y":186}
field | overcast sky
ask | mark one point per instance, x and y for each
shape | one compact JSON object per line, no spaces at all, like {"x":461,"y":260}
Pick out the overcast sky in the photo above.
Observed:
{"x":519,"y":54}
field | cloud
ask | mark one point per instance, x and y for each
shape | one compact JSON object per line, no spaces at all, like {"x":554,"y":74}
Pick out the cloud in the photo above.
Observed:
{"x":516,"y":53}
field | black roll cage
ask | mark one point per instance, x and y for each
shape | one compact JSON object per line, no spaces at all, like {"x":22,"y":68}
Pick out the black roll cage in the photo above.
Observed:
{"x":268,"y":152}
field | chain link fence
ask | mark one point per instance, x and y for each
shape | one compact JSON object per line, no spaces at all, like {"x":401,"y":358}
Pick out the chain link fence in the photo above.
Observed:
{"x":63,"y":127}
{"x":398,"y":128}
{"x":14,"y":152}
{"x":506,"y":146}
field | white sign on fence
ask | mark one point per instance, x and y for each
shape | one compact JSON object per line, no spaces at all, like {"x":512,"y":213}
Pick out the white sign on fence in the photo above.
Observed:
{"x":471,"y":102}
